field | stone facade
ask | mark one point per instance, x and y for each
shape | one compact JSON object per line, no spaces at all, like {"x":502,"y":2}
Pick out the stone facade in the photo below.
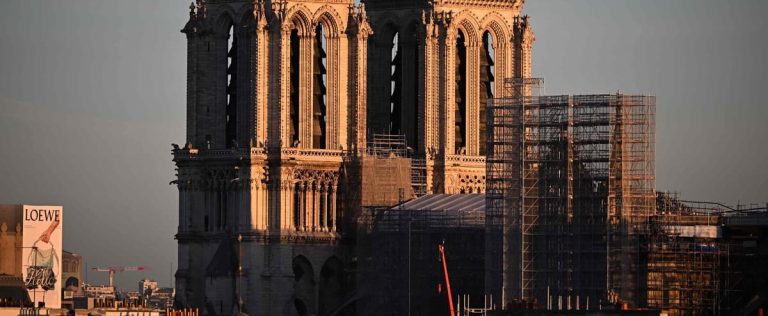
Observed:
{"x":433,"y":96}
{"x":281,"y":95}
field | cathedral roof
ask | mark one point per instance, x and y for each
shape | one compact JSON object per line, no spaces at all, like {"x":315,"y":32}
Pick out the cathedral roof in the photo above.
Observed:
{"x":446,"y":202}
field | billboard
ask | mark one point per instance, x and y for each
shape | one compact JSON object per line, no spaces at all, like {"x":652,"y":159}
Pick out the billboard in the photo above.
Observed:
{"x":41,"y":253}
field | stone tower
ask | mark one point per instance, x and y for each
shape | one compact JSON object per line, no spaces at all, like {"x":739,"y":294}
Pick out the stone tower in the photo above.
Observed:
{"x":276,"y":96}
{"x":281,"y":95}
{"x":432,"y":67}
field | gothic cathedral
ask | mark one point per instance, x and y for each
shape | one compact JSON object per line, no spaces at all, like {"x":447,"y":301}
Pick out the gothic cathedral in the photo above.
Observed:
{"x":282,"y":95}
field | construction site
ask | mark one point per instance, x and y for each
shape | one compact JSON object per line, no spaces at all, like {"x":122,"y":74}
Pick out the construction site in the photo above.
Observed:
{"x":571,"y":221}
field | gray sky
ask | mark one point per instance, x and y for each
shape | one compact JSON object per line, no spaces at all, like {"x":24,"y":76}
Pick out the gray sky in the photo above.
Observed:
{"x":92,"y":94}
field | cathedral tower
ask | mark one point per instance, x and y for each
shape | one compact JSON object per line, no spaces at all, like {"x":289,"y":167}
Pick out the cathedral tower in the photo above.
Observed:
{"x":433,"y":66}
{"x":276,"y":96}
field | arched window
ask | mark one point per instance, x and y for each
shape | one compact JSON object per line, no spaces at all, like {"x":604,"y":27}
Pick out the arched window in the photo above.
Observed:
{"x":487,"y":89}
{"x":395,"y":86}
{"x":231,"y":107}
{"x":460,"y":114}
{"x":320,"y":96}
{"x":413,"y":135}
{"x":294,"y":106}
{"x":403,"y":85}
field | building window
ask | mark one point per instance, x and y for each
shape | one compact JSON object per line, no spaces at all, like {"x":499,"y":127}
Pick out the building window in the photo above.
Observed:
{"x":320,"y":96}
{"x":487,"y":89}
{"x":231,"y":110}
{"x":294,"y":74}
{"x":460,"y":114}
{"x":395,"y":87}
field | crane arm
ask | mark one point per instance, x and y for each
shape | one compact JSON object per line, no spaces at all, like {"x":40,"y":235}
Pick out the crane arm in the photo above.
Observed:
{"x":441,"y":249}
{"x":113,"y":270}
{"x":134,"y":268}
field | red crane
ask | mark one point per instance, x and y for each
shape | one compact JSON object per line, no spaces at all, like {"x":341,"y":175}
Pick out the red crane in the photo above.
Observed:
{"x":441,"y":249}
{"x":113,"y":270}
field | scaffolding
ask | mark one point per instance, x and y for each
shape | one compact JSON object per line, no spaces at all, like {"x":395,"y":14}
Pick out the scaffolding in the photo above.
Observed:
{"x":699,"y":253}
{"x":570,"y":188}
{"x":386,"y":146}
{"x":685,"y":253}
{"x":383,"y":175}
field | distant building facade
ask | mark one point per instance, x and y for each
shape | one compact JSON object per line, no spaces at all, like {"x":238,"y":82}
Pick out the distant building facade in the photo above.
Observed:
{"x":147,"y":287}
{"x":31,"y":238}
{"x":72,"y":272}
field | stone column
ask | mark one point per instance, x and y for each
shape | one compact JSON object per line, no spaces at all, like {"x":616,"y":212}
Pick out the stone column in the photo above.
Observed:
{"x":324,"y":207}
{"x":283,"y":198}
{"x":308,"y":207}
{"x":274,"y":194}
{"x":333,"y":207}
{"x":316,"y":207}
{"x":358,"y":54}
{"x":282,"y":101}
{"x":255,"y":203}
{"x":302,"y":206}
{"x":448,"y":109}
{"x":431,"y":82}
{"x":264,"y":200}
{"x":194,"y":59}
{"x":261,"y":72}
{"x":289,"y":207}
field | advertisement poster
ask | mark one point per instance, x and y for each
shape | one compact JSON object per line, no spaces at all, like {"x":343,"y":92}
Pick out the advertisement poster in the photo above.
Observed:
{"x":41,"y":254}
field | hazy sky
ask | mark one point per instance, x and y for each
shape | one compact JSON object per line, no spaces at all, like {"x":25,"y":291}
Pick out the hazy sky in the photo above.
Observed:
{"x":92,"y":94}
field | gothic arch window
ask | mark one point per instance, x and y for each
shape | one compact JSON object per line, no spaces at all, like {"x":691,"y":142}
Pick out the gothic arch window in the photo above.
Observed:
{"x":304,"y":286}
{"x":293,"y":110}
{"x":331,"y":289}
{"x":412,"y":135}
{"x":395,"y":87}
{"x":460,"y":114}
{"x":320,"y":95}
{"x":487,"y":85}
{"x":399,"y":48}
{"x":231,"y":105}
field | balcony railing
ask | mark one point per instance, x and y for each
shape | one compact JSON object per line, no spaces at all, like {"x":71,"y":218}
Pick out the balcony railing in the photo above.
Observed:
{"x":329,"y":155}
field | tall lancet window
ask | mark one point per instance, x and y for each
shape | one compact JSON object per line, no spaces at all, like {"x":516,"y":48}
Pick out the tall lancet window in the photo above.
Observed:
{"x":294,"y":106}
{"x":395,"y":86}
{"x":231,"y":110}
{"x":413,"y":137}
{"x":460,"y":115}
{"x":319,"y":97}
{"x":487,"y":89}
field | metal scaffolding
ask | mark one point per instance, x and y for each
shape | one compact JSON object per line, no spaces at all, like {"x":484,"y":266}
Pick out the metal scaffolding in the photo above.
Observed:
{"x":699,"y":253}
{"x":570,"y":188}
{"x":684,"y":272}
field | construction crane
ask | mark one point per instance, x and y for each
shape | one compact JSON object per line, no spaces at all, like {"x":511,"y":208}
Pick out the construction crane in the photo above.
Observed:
{"x":441,"y":249}
{"x":113,"y":270}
